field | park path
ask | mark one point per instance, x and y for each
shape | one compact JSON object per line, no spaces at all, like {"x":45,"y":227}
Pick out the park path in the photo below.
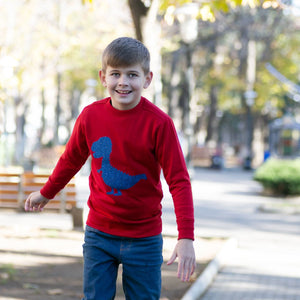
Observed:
{"x":266,"y":263}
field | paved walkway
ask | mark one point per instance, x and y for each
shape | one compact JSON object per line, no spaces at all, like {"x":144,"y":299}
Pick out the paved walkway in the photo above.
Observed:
{"x":266,"y":264}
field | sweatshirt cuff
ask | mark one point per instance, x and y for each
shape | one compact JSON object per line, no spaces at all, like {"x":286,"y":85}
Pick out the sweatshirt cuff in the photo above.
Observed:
{"x":186,"y":232}
{"x":48,"y":191}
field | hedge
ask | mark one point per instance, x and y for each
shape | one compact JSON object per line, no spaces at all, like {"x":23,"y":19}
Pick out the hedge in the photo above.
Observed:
{"x":280,"y":176}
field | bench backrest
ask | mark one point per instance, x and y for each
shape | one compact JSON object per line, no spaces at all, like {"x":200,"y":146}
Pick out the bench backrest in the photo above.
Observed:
{"x":15,"y":188}
{"x":10,"y":190}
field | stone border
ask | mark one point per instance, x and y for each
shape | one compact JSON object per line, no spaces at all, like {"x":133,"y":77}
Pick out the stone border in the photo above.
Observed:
{"x":281,"y":208}
{"x":207,"y":276}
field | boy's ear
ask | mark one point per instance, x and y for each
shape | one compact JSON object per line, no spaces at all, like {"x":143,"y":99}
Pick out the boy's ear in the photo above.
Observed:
{"x":102,"y":78}
{"x":148,"y":79}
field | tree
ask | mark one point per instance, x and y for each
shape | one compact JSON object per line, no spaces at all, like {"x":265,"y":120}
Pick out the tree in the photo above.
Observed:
{"x":220,"y":63}
{"x":56,"y":56}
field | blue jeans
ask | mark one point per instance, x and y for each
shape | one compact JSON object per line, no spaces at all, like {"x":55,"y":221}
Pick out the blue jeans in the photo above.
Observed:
{"x":141,"y":259}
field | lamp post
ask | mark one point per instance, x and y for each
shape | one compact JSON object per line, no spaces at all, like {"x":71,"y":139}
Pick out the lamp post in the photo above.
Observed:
{"x":250,"y":96}
{"x":186,"y":15}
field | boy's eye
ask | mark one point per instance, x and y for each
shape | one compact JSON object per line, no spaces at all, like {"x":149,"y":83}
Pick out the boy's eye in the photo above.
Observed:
{"x":131,"y":75}
{"x":115,"y":74}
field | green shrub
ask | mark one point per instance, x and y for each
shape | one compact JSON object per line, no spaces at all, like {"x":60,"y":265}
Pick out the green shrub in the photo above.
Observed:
{"x":280,"y":176}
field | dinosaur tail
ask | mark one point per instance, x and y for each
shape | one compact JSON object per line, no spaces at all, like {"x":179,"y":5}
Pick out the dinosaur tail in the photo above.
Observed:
{"x":141,"y":176}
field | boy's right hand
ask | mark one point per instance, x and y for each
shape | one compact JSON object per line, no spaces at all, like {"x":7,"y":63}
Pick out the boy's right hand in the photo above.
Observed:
{"x":35,"y":202}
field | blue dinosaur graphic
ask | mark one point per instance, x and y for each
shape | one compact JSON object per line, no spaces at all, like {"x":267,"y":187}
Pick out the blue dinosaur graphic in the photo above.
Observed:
{"x":114,"y":178}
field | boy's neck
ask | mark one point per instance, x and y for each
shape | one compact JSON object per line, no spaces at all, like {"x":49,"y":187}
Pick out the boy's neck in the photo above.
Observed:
{"x":110,"y":102}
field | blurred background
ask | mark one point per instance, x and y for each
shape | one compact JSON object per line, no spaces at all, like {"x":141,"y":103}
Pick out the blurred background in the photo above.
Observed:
{"x":226,"y":71}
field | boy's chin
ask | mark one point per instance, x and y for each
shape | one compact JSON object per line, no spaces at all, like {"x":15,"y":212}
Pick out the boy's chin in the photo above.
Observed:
{"x":123,"y":104}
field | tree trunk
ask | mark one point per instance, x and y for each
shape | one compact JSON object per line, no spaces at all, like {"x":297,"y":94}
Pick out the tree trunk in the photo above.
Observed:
{"x":20,"y":134}
{"x":43,"y":118}
{"x":57,"y":109}
{"x":74,"y":107}
{"x":213,"y":96}
{"x":172,"y":89}
{"x":138,"y":11}
{"x":151,"y":30}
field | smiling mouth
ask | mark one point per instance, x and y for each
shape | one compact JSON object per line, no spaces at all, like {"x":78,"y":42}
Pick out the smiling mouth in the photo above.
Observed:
{"x":123,"y":92}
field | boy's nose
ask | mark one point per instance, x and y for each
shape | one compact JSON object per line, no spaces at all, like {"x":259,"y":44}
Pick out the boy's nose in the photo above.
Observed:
{"x":123,"y":80}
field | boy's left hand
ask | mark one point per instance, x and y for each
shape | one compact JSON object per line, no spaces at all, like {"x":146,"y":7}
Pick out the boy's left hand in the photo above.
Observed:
{"x":185,"y":252}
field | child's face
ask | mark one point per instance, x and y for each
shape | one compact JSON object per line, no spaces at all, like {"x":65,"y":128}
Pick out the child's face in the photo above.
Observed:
{"x":125,"y":85}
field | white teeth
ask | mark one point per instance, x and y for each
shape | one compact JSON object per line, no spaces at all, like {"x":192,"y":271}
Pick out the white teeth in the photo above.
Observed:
{"x":123,"y":92}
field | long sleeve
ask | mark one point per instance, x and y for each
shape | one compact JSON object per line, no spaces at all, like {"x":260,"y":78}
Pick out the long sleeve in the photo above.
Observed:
{"x":174,"y":168}
{"x":70,"y":162}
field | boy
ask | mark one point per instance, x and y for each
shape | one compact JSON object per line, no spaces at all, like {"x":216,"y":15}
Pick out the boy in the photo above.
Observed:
{"x":130,"y":141}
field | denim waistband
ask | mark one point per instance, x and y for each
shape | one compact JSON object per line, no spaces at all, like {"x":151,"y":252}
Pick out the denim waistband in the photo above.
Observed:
{"x":89,"y":228}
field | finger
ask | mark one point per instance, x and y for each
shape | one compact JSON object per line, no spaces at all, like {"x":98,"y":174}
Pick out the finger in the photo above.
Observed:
{"x":39,"y":206}
{"x":186,"y":269}
{"x":172,"y":259}
{"x":180,"y":270}
{"x":42,"y":205}
{"x":28,"y":206}
{"x":35,"y":206}
{"x":193,"y":267}
{"x":188,"y":273}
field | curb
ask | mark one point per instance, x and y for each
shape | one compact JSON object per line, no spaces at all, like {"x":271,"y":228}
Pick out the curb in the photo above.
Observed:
{"x":280,"y":208}
{"x":207,"y":276}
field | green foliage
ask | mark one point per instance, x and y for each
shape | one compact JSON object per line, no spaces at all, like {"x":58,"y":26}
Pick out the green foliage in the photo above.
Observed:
{"x":216,"y":5}
{"x":164,"y":4}
{"x":281,"y":177}
{"x":7,"y":272}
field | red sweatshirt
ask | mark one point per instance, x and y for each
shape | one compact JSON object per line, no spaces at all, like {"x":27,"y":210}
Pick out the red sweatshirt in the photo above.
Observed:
{"x":128,"y":150}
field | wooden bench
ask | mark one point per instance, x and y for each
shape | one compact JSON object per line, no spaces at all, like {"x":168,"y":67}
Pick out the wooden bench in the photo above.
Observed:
{"x":10,"y":190}
{"x":15,"y":188}
{"x":63,"y":201}
{"x":201,"y":156}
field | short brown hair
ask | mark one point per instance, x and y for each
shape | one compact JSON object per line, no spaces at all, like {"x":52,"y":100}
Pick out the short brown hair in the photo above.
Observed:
{"x":125,"y":51}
